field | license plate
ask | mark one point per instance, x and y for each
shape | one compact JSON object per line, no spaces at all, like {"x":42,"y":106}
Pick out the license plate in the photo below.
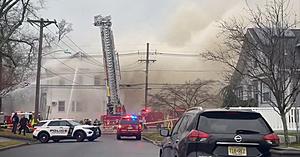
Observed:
{"x":129,"y":127}
{"x":237,"y":151}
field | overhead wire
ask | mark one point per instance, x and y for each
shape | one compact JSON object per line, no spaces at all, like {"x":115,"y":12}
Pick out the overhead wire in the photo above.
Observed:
{"x":70,"y":67}
{"x":59,"y":75}
{"x":67,"y":45}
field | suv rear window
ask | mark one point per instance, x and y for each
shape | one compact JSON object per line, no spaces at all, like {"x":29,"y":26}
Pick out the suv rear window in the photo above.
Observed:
{"x":129,"y":121}
{"x":231,"y":122}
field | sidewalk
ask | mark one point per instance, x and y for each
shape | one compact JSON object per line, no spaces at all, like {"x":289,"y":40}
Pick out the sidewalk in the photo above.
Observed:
{"x":6,"y":143}
{"x":2,"y":139}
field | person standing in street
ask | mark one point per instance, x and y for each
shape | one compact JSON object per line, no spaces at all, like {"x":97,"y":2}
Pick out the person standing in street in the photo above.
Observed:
{"x":15,"y":120}
{"x":23,"y":125}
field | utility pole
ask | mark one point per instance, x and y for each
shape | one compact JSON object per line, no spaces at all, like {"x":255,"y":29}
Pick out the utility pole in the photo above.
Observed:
{"x":147,"y":72}
{"x":41,"y":24}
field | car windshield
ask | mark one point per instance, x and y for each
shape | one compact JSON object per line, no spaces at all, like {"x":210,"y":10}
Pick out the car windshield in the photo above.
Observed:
{"x":40,"y":123}
{"x":232,"y":123}
{"x":74,"y":123}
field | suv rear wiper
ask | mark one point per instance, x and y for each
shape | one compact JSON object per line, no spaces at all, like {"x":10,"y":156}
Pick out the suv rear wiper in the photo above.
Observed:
{"x":246,"y":132}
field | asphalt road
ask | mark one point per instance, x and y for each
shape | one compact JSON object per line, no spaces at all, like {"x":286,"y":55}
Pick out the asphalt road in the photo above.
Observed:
{"x":105,"y":146}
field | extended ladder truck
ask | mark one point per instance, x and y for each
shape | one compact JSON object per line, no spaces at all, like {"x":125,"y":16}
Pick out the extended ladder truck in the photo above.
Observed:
{"x":112,"y":73}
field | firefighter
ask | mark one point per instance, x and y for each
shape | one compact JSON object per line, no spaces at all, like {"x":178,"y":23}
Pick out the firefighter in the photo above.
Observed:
{"x":15,"y":120}
{"x":96,"y":122}
{"x":23,"y":125}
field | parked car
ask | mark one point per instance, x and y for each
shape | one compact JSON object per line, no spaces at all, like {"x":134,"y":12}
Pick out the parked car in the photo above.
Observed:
{"x":208,"y":133}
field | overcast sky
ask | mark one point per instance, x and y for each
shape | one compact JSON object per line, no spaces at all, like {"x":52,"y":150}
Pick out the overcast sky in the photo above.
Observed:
{"x":179,"y":26}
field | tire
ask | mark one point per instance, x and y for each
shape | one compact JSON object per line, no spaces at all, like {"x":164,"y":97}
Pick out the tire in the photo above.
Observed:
{"x":56,"y":140}
{"x":138,"y":137}
{"x":118,"y":137}
{"x":43,"y":137}
{"x":80,"y":136}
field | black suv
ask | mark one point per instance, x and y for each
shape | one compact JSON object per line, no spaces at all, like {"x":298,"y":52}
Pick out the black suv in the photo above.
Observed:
{"x":214,"y":133}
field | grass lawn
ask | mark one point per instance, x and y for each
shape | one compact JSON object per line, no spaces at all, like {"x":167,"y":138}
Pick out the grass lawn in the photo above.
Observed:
{"x":10,"y":143}
{"x":153,"y":136}
{"x":295,"y":145}
{"x":7,"y":133}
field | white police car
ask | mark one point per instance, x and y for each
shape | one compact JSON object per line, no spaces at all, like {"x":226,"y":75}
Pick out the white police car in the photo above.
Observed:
{"x":64,"y":129}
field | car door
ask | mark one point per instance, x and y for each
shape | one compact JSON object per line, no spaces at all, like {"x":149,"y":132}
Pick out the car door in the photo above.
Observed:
{"x":180,"y":135}
{"x":64,"y":128}
{"x":184,"y":130}
{"x":167,"y":149}
{"x":53,"y":128}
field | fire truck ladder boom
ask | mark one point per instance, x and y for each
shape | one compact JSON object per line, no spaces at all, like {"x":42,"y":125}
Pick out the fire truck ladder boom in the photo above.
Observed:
{"x":110,"y":64}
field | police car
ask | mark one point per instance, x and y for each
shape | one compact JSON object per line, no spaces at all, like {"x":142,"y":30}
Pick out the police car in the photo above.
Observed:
{"x":64,"y":129}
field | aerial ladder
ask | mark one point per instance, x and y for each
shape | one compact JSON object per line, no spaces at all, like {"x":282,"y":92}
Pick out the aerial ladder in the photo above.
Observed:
{"x":111,"y":66}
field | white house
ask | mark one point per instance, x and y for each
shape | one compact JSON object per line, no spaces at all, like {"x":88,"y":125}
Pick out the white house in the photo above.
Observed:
{"x":72,"y":87}
{"x":247,"y":88}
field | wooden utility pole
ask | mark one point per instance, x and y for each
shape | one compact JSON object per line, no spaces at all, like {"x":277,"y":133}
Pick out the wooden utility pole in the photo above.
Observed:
{"x":147,"y":72}
{"x":41,"y":24}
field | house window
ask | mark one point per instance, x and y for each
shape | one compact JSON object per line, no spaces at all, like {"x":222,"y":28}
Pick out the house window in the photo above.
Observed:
{"x":61,"y":106}
{"x":61,"y":82}
{"x":97,"y":80}
{"x":78,"y":107}
{"x":73,"y":106}
{"x":249,"y":92}
{"x":256,"y":97}
{"x":240,"y":93}
{"x":255,"y":63}
{"x":80,"y":79}
{"x":266,"y":96}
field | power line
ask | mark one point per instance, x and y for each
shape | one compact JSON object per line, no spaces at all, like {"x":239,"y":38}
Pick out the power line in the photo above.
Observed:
{"x":130,"y":71}
{"x":69,"y":66}
{"x":47,"y":70}
{"x":82,"y":51}
{"x":95,"y":61}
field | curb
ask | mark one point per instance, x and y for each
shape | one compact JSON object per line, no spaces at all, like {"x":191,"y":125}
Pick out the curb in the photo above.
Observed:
{"x":150,"y":141}
{"x":14,"y":146}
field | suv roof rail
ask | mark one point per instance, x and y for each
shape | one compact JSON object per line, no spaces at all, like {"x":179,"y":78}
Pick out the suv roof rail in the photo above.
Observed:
{"x":195,"y":108}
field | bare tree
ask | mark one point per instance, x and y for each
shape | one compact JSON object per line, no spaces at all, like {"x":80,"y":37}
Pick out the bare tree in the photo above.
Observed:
{"x":16,"y":46}
{"x":268,"y":52}
{"x":190,"y":94}
{"x":63,"y":29}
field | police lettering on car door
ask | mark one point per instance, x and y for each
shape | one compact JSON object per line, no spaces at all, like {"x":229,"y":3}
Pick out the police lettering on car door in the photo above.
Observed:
{"x":58,"y":131}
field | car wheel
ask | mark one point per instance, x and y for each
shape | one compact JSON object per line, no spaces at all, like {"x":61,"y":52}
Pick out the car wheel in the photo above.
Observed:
{"x":118,"y":137}
{"x":43,"y":137}
{"x":80,"y":136}
{"x":138,"y":137}
{"x":55,"y":140}
{"x":165,"y":152}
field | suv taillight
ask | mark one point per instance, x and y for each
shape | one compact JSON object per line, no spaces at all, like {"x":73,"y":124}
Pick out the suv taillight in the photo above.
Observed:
{"x":197,"y":136}
{"x":140,"y":127}
{"x":272,"y":139}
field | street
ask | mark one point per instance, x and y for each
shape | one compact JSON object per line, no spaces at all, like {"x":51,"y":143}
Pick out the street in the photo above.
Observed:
{"x":105,"y":146}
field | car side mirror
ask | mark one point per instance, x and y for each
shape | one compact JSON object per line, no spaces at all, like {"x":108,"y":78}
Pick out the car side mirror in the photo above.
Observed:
{"x":164,"y":132}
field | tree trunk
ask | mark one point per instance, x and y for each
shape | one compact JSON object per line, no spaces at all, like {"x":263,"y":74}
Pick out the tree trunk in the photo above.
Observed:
{"x":1,"y":82}
{"x":285,"y":129}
